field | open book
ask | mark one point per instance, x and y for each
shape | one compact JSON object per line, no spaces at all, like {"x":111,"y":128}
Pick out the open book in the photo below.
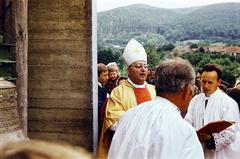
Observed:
{"x":214,"y":127}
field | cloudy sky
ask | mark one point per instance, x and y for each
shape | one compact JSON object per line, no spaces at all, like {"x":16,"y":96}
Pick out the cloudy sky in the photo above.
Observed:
{"x":103,"y":5}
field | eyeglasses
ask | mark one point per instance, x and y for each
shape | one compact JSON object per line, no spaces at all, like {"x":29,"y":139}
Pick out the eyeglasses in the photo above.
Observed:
{"x":138,"y":66}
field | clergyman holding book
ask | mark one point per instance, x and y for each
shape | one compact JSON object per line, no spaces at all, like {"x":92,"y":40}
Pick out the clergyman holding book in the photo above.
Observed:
{"x":213,"y":105}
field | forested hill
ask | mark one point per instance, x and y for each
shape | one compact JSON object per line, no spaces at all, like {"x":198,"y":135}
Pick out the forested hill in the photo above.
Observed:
{"x":216,"y":23}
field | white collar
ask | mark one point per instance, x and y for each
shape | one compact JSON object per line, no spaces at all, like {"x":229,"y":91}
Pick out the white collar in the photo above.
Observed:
{"x":216,"y":92}
{"x":136,"y":85}
{"x":168,"y":101}
{"x":100,"y":84}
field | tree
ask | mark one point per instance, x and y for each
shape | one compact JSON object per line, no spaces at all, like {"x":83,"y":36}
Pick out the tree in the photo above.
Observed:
{"x":231,"y":65}
{"x":193,"y":46}
{"x":201,"y":49}
{"x":168,"y":47}
{"x":105,"y":55}
{"x":152,"y":55}
{"x":110,"y":54}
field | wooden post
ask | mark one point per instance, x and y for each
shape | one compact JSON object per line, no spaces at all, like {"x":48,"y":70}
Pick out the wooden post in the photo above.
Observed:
{"x":21,"y":60}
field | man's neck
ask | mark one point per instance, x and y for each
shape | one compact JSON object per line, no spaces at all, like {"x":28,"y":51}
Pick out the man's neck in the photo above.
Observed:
{"x":175,"y":98}
{"x":210,"y":94}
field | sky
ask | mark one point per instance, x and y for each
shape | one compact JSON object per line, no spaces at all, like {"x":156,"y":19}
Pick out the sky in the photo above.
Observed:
{"x":103,"y":5}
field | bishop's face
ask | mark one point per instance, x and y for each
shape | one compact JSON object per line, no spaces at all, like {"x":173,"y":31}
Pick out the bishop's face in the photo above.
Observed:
{"x":137,"y":72}
{"x":209,"y":82}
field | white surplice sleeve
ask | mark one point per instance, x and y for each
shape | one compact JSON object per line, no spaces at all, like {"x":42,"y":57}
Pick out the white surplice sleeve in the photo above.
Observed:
{"x":224,"y":137}
{"x":190,"y":113}
{"x":230,"y":113}
{"x":231,"y":110}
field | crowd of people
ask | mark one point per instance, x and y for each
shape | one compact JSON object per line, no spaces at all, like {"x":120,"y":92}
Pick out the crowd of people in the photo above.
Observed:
{"x":155,"y":113}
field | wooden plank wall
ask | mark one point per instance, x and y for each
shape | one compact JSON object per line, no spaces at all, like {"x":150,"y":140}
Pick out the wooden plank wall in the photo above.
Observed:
{"x":59,"y":71}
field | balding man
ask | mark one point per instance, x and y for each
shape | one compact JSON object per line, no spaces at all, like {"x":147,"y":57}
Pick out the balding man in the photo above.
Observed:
{"x":155,"y":129}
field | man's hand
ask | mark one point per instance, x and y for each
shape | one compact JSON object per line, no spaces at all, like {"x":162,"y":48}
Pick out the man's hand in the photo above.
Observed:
{"x":203,"y":137}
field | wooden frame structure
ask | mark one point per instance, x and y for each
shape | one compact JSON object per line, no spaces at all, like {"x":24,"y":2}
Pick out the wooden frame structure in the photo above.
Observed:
{"x":15,"y":33}
{"x":21,"y":58}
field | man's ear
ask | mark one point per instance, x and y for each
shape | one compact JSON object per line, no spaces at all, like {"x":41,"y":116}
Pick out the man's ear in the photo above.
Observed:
{"x":219,"y":82}
{"x":187,"y":91}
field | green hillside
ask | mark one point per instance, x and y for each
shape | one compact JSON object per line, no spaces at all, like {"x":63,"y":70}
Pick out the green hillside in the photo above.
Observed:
{"x":118,"y":25}
{"x":215,"y":23}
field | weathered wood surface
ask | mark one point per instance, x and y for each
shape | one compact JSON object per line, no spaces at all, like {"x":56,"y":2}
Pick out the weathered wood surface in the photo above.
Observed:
{"x":60,"y":71}
{"x":21,"y":58}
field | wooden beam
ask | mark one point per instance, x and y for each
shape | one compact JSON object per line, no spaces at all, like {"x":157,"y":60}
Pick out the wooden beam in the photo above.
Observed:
{"x":21,"y":60}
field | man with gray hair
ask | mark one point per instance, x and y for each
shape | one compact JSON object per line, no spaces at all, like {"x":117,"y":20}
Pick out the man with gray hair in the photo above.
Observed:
{"x":155,"y":129}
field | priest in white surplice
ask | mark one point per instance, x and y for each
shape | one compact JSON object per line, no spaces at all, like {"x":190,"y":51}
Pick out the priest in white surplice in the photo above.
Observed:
{"x":213,"y":105}
{"x":155,"y":129}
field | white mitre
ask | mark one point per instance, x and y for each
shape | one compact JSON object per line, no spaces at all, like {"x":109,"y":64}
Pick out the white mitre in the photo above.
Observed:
{"x":133,"y":52}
